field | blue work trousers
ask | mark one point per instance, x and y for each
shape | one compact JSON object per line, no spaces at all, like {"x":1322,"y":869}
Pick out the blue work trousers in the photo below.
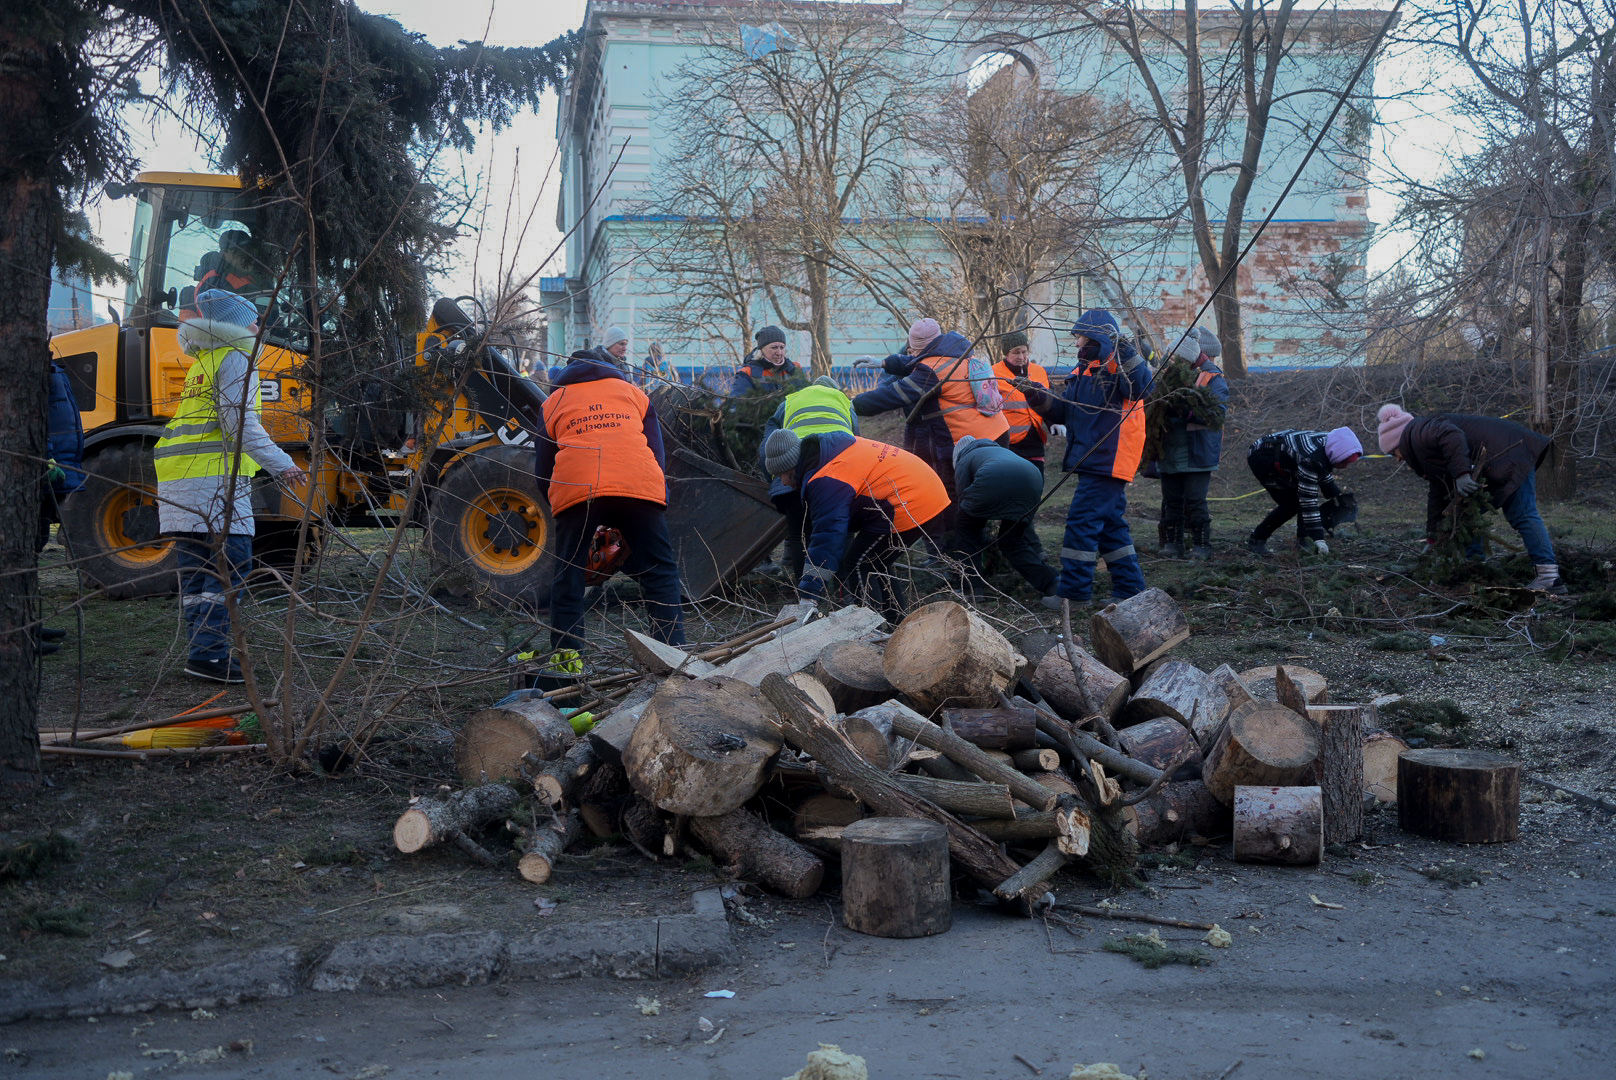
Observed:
{"x":1520,"y":510}
{"x":209,"y":569}
{"x":1095,"y":530}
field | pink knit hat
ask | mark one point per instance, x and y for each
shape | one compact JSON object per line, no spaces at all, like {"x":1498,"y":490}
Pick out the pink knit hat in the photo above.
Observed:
{"x":1392,"y":422}
{"x":922,"y":333}
{"x":1342,"y":447}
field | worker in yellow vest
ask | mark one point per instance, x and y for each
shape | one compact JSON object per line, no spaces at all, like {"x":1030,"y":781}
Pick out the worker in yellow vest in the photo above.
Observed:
{"x":815,"y":409}
{"x":205,"y":461}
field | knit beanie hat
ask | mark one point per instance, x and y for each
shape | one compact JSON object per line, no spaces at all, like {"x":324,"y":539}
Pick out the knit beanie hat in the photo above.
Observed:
{"x":1013,"y":340}
{"x":1342,"y":446}
{"x":826,"y":380}
{"x":1393,"y":419}
{"x":965,"y":443}
{"x":226,"y":307}
{"x":923,"y":332}
{"x":781,"y":451}
{"x":1188,"y":348}
{"x":1100,"y":327}
{"x":614,"y":334}
{"x":1209,"y":342}
{"x":769,"y":335}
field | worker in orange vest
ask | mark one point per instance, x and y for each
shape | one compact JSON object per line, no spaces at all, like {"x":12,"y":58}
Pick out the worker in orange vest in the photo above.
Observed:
{"x":600,"y":456}
{"x":867,"y":502}
{"x":1028,"y":430}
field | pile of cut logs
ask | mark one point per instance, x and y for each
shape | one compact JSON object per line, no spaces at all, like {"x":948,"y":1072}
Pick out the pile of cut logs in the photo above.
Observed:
{"x":761,"y":752}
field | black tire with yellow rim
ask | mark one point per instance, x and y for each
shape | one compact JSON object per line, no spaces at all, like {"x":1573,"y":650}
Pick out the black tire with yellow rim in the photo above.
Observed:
{"x":489,"y":522}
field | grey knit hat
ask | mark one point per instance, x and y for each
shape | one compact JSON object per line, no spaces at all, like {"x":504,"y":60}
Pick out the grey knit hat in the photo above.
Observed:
{"x":768,"y":335}
{"x":965,"y":443}
{"x":781,"y":452}
{"x":1014,"y":339}
{"x":613,"y":335}
{"x":1209,"y":342}
{"x":826,"y":380}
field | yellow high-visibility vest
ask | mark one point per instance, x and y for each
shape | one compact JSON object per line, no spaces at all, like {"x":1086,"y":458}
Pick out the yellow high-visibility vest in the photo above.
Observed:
{"x":194,"y":443}
{"x":814,"y":410}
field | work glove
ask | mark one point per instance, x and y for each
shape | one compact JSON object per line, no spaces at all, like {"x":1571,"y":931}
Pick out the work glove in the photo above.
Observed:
{"x":1320,"y":547}
{"x":1024,"y":384}
{"x":866,"y":361}
{"x":1057,"y":431}
{"x":1466,"y":486}
{"x":54,"y":473}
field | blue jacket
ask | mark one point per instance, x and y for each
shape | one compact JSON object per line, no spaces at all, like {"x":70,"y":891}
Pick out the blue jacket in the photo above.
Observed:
{"x":587,"y":366}
{"x":1104,"y":437}
{"x":750,"y":375}
{"x":65,"y":431}
{"x":1187,"y":443}
{"x":927,"y":436}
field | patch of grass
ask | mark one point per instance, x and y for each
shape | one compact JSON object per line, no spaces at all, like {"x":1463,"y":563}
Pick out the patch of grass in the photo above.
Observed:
{"x":64,"y":922}
{"x":1362,"y":878}
{"x":329,"y":853}
{"x":29,"y":859}
{"x":1151,"y":951}
{"x":1439,"y":721}
{"x":1392,"y":684}
{"x":1453,"y":875}
{"x":1400,"y":642}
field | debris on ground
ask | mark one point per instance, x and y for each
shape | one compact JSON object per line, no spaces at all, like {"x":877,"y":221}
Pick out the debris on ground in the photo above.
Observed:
{"x":830,"y":1062}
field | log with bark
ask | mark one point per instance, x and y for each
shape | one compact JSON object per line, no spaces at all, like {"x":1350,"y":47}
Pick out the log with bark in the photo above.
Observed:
{"x":497,"y":743}
{"x":600,"y":798}
{"x":1098,"y":691}
{"x":1261,"y":744}
{"x":1260,"y":682}
{"x":541,"y":845}
{"x":870,"y":731}
{"x":1339,"y":770}
{"x":1462,"y":796}
{"x":1185,"y":810}
{"x":979,"y":763}
{"x":895,"y":877}
{"x":994,"y":729}
{"x":963,"y":798}
{"x":816,"y":691}
{"x":1227,"y":679}
{"x":851,"y":671}
{"x":812,"y":733}
{"x":752,"y":851}
{"x":1278,"y":825}
{"x":1131,"y":633}
{"x":556,"y":782}
{"x":703,"y":747}
{"x":944,"y":654}
{"x":1381,"y":749}
{"x":1179,"y":690}
{"x":1064,"y":822}
{"x":1161,"y":743}
{"x":644,"y":826}
{"x":800,"y":649}
{"x":610,"y":737}
{"x":437,"y":820}
{"x":1040,"y":760}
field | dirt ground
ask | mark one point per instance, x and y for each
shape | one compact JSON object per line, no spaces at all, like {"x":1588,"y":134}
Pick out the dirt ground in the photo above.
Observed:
{"x":176,"y":863}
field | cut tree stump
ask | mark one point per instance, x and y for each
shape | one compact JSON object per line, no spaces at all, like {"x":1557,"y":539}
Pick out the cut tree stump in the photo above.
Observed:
{"x":1260,"y":683}
{"x":754,"y":852}
{"x":437,"y":820}
{"x":944,"y":654}
{"x":800,"y":649}
{"x":1261,"y":744}
{"x":1180,"y":811}
{"x":1462,"y":796}
{"x":703,"y":747}
{"x":822,"y":808}
{"x":497,"y":743}
{"x":1098,"y":691}
{"x":541,"y":846}
{"x":1160,"y":743}
{"x":994,"y":729}
{"x":1180,"y":690}
{"x":1381,"y":749}
{"x":1278,"y":825}
{"x":895,"y":878}
{"x":1131,"y":633}
{"x":1339,"y":771}
{"x":851,"y":671}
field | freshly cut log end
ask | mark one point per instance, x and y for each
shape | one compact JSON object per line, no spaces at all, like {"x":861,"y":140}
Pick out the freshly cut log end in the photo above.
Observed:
{"x":1279,"y":825}
{"x":1381,"y":749}
{"x":944,"y":654}
{"x":1097,"y":690}
{"x":816,"y":691}
{"x":495,"y":744}
{"x":412,"y":832}
{"x":1262,"y":745}
{"x":1261,"y":682}
{"x":823,"y":809}
{"x":703,"y":747}
{"x":432,"y":821}
{"x":1131,"y":633}
{"x":895,"y":878}
{"x":1179,"y":690}
{"x":542,"y":845}
{"x":1461,"y":796}
{"x":851,"y":671}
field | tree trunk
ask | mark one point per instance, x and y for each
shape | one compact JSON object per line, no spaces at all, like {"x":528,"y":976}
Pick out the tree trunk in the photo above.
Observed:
{"x":1339,"y":771}
{"x":895,"y":878}
{"x":945,"y":654}
{"x":1261,"y":744}
{"x":1160,"y":743}
{"x":703,"y":747}
{"x":1131,"y":633}
{"x":1279,"y":825}
{"x":752,"y":851}
{"x":1098,"y":691}
{"x":1461,"y":796}
{"x":433,"y":820}
{"x":994,"y":729}
{"x":501,"y":743}
{"x":851,"y":671}
{"x":1179,"y":690}
{"x":30,"y":86}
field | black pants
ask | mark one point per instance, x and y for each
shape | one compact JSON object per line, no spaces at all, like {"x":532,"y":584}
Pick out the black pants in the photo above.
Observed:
{"x":650,"y":562}
{"x":1281,"y":487}
{"x":792,"y":509}
{"x":1183,"y":500}
{"x":1017,"y":542}
{"x":867,"y":570}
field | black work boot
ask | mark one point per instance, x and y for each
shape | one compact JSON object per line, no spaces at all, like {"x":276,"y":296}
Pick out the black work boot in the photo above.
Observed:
{"x":1201,"y":541}
{"x":1172,"y":541}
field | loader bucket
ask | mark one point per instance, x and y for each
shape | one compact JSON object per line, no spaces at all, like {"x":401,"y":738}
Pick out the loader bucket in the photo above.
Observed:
{"x":721,"y":521}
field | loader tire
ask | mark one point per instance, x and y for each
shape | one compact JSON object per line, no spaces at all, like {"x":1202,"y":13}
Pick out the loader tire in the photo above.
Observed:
{"x":110,"y":528}
{"x":489,"y":525}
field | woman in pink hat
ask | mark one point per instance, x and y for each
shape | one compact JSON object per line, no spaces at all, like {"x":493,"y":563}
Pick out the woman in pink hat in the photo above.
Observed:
{"x":1298,"y":469}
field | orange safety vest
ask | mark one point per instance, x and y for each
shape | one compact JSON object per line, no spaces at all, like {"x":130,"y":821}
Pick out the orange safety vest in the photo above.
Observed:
{"x":1022,"y":418}
{"x":908,"y":488}
{"x":599,"y":432}
{"x":956,"y":401}
{"x":1130,"y":431}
